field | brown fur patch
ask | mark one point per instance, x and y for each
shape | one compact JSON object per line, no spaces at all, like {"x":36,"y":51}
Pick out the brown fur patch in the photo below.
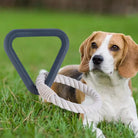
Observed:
{"x":80,"y":96}
{"x":129,"y":65}
{"x":65,"y":91}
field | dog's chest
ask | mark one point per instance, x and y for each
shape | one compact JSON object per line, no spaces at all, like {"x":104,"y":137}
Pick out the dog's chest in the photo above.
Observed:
{"x":115,"y":95}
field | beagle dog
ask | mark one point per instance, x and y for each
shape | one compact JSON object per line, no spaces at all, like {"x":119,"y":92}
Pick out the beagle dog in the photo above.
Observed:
{"x":108,"y":62}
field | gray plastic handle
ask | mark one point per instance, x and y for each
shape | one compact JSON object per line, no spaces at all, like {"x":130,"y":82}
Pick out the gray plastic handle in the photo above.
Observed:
{"x":35,"y":33}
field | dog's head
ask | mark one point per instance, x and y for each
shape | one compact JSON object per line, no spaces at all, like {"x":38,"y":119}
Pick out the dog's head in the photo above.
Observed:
{"x":107,"y":52}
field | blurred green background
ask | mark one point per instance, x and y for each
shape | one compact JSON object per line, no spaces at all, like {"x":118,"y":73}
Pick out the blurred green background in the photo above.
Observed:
{"x":22,"y":112}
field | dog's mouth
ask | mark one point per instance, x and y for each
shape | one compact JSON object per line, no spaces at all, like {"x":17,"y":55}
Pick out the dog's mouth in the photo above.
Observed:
{"x":100,"y":69}
{"x":99,"y":72}
{"x":97,"y":69}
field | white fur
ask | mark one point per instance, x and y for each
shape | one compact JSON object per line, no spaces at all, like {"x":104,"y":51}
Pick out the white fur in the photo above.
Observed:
{"x":118,"y":104}
{"x":103,"y":51}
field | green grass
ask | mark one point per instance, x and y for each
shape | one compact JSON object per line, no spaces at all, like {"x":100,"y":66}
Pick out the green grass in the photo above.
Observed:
{"x":21,"y":113}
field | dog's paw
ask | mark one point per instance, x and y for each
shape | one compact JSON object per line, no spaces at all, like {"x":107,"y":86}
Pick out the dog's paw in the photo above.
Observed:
{"x":99,"y":133}
{"x":136,"y":136}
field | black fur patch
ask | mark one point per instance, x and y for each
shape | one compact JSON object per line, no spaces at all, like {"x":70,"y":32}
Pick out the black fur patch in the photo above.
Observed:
{"x":67,"y":92}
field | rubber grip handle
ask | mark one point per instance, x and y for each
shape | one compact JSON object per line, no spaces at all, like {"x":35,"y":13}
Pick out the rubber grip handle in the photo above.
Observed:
{"x":36,"y":33}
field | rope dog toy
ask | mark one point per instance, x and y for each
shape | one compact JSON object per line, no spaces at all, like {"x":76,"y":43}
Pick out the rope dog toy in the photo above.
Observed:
{"x":50,"y":96}
{"x":45,"y":79}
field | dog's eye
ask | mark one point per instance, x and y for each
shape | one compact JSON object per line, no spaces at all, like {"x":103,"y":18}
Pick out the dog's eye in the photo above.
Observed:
{"x":94,"y":45}
{"x":114,"y":48}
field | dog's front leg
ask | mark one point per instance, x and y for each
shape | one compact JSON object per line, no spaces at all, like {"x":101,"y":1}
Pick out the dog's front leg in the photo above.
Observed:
{"x":99,"y":133}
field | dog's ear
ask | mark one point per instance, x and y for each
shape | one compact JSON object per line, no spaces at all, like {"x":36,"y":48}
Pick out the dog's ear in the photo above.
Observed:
{"x":128,"y":67}
{"x":84,"y":51}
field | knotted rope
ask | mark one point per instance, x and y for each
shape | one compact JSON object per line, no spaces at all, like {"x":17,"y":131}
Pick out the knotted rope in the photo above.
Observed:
{"x":50,"y":96}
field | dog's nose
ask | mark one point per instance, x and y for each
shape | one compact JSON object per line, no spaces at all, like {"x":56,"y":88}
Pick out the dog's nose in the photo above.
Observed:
{"x":97,"y":59}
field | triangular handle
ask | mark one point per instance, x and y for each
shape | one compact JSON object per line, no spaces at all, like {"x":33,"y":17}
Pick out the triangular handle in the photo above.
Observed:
{"x":34,"y":33}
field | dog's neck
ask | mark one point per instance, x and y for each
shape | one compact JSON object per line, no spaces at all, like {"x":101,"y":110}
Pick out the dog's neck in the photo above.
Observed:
{"x":107,"y":83}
